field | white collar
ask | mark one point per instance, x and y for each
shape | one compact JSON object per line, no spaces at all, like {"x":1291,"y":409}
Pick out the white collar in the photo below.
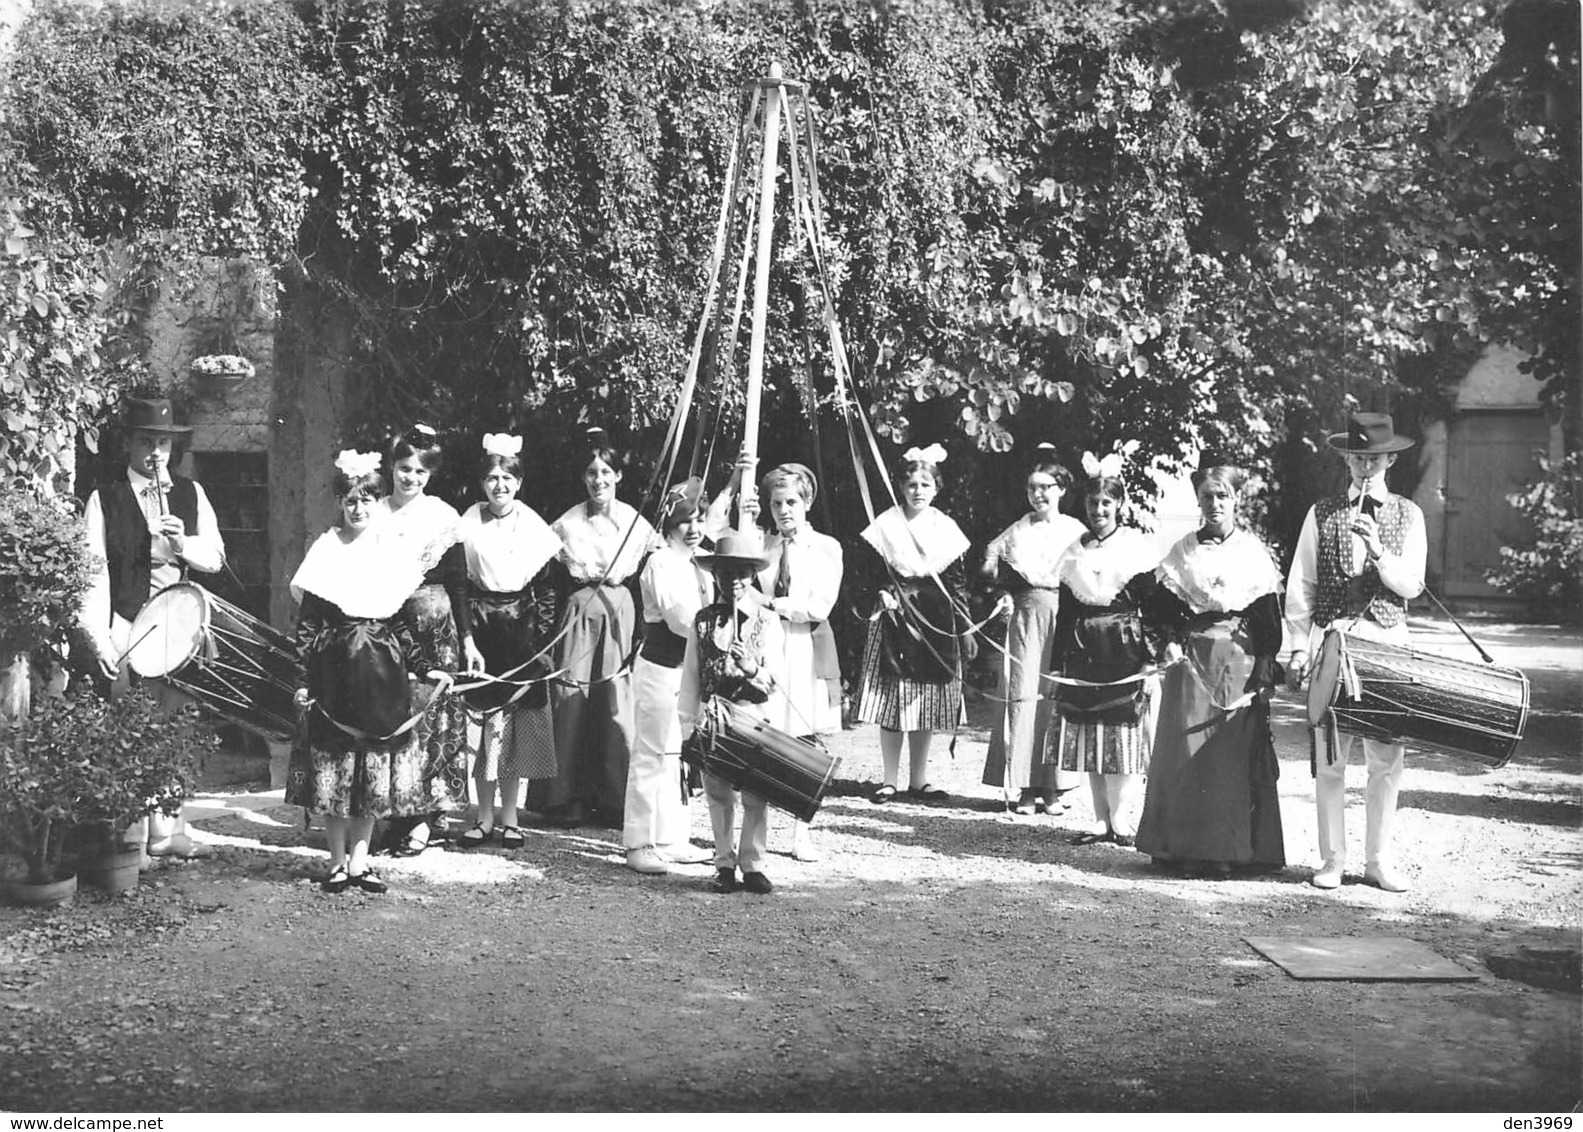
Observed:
{"x":141,"y":483}
{"x":1375,"y":489}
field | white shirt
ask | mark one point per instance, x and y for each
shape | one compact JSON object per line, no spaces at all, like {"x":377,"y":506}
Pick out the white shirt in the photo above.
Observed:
{"x":203,"y":551}
{"x":1402,"y":573}
{"x":814,"y":567}
{"x":504,"y":554}
{"x":675,"y":588}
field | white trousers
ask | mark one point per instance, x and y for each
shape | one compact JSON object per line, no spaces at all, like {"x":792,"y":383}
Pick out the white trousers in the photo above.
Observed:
{"x":1384,"y":763}
{"x":654,"y":813}
{"x":1115,"y":801}
{"x":754,"y":848}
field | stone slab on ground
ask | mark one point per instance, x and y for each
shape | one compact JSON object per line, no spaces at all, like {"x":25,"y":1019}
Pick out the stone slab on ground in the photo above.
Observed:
{"x":1362,"y":959}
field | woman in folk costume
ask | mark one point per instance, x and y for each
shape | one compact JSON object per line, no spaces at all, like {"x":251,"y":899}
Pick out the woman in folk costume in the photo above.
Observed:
{"x":605,"y":541}
{"x":1211,"y":801}
{"x":657,"y":821}
{"x":911,"y":682}
{"x":513,"y":609}
{"x":1102,"y":648}
{"x":800,"y":585}
{"x":360,"y":762}
{"x":427,"y":528}
{"x":1024,"y":559}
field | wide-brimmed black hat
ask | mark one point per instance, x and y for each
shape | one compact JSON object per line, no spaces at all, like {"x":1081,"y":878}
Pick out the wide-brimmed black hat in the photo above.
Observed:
{"x":742,"y":549}
{"x":1369,"y":434}
{"x":152,"y":414}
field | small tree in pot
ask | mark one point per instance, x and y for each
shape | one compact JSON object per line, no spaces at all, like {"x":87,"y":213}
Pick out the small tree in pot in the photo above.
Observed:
{"x":79,"y":763}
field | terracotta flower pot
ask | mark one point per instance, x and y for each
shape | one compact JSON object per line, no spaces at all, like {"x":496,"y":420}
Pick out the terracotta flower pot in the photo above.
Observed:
{"x":115,"y":872}
{"x":49,"y":895}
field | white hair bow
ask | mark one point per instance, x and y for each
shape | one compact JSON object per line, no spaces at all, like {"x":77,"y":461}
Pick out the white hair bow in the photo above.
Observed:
{"x":1108,"y":468}
{"x":502,"y":444}
{"x":934,"y":454}
{"x":355,"y":465}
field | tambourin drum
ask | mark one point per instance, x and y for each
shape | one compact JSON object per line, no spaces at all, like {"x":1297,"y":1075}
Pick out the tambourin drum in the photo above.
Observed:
{"x":232,"y":663}
{"x":789,"y":774}
{"x":1390,"y":692}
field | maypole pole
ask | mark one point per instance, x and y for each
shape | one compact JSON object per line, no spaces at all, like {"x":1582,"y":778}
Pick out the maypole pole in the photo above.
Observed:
{"x":761,"y":290}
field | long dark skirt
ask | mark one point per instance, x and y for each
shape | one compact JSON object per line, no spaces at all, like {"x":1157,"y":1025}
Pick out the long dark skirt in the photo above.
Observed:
{"x":1212,"y":779}
{"x":592,"y":704}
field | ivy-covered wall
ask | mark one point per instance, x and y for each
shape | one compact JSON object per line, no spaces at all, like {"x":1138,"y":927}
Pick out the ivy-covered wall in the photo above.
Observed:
{"x":1049,"y":219}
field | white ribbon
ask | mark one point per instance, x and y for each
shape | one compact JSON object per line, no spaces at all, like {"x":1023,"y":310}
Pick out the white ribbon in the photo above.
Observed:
{"x":934,"y":454}
{"x":355,"y":465}
{"x":502,"y":444}
{"x":1109,"y":467}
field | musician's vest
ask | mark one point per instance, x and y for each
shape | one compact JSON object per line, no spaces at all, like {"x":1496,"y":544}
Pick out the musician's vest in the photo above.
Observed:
{"x":127,"y":542}
{"x":1339,"y":594}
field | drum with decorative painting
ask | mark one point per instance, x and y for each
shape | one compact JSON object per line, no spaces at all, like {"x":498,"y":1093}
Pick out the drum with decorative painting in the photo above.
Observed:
{"x":1391,"y":692}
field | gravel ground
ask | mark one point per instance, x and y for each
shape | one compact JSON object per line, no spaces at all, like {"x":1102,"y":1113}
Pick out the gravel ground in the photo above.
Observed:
{"x":940,"y":957}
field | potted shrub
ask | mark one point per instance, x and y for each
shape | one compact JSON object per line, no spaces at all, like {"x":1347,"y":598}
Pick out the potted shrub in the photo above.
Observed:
{"x":42,"y":779}
{"x":78,"y":763}
{"x":142,"y":756}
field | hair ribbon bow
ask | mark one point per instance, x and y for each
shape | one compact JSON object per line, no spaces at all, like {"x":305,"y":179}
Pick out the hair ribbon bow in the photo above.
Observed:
{"x":502,"y":444}
{"x":1107,"y":468}
{"x":934,"y":454}
{"x":355,"y":465}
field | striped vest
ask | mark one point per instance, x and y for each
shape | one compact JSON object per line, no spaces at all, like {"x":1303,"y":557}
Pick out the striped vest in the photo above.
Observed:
{"x":1341,"y":596}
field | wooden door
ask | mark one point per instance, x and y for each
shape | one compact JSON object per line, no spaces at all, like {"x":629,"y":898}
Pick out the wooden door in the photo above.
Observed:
{"x":1489,"y":455}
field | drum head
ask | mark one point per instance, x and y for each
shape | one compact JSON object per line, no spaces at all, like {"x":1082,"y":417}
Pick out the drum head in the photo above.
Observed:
{"x":169,"y":630}
{"x":1324,"y":678}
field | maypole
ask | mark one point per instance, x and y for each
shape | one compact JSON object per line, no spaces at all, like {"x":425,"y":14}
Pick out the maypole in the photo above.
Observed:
{"x":761,"y":291}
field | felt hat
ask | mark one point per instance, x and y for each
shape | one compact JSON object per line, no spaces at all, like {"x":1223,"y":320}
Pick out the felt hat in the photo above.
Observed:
{"x":742,"y":549}
{"x":1369,"y":434}
{"x":152,"y":414}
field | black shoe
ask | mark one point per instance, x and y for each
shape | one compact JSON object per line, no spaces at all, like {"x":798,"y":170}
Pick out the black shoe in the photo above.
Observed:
{"x":725,"y":880}
{"x":1125,"y":840}
{"x":757,"y":883}
{"x":337,"y":881}
{"x":368,"y":880}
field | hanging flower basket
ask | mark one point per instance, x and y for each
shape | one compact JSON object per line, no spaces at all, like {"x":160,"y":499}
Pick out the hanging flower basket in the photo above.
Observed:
{"x":226,"y":370}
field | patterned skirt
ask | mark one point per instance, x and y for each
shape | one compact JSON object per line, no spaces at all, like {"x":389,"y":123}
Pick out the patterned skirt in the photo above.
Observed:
{"x":899,"y":703}
{"x":1100,"y":748}
{"x":360,"y":783}
{"x":515,"y":742}
{"x":442,"y":733}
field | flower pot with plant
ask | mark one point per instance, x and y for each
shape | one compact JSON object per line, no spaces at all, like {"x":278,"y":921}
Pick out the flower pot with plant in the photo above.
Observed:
{"x":42,"y":780}
{"x":222,"y":370}
{"x":78,"y":762}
